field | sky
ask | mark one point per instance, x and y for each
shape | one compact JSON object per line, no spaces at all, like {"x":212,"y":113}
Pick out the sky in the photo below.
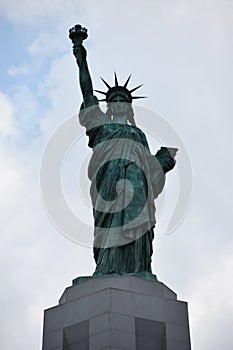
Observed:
{"x":182,"y":52}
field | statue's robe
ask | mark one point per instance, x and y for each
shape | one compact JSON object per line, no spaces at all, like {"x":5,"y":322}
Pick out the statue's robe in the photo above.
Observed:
{"x":124,"y":211}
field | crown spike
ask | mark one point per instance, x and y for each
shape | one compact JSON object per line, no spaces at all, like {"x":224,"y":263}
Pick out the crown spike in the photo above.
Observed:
{"x":108,"y":86}
{"x":136,"y":97}
{"x":116,"y":81}
{"x":126,"y":83}
{"x":137,"y":87}
{"x":101,"y":92}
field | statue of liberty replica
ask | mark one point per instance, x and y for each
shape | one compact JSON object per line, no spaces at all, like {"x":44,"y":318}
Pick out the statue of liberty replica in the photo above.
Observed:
{"x":124,"y":211}
{"x":123,"y":306}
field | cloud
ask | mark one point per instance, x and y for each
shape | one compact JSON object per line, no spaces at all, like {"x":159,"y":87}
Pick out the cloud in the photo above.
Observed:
{"x":7,"y":122}
{"x":19,"y":114}
{"x":211,"y":305}
{"x":18,"y":70}
{"x":211,"y":20}
{"x":26,"y":110}
{"x":29,"y":11}
{"x":46,"y":44}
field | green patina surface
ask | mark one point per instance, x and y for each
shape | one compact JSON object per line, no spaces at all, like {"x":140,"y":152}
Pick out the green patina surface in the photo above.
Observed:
{"x":146,"y":275}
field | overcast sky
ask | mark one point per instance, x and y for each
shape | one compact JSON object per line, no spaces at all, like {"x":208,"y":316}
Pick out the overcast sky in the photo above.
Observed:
{"x":183,"y":52}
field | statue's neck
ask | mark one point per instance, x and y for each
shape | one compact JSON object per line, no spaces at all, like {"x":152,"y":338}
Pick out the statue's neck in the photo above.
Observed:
{"x":120,"y":119}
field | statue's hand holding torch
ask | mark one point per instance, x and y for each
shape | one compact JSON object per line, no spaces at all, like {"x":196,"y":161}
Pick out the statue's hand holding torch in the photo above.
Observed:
{"x":77,"y":34}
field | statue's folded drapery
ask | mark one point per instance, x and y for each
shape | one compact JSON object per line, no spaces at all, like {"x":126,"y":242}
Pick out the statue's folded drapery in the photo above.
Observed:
{"x":125,"y":180}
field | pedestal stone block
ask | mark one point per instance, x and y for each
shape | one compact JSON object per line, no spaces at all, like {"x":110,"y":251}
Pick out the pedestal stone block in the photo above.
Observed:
{"x":127,"y":313}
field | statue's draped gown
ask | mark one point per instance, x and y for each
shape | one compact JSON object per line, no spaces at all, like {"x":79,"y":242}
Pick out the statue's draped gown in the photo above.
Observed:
{"x":125,"y":180}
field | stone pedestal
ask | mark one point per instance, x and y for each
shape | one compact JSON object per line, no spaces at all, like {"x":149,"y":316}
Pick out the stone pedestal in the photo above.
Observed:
{"x":117,"y":313}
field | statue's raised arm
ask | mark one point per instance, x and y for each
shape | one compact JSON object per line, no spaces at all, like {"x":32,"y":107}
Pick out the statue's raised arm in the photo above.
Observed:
{"x":77,"y":34}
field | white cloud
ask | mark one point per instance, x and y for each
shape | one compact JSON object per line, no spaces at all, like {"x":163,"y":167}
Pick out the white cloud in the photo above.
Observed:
{"x":7,"y":122}
{"x":61,"y":88}
{"x":25,"y":105}
{"x":27,"y":11}
{"x":18,"y":70}
{"x":9,"y":184}
{"x":19,"y":114}
{"x":211,"y":305}
{"x":211,"y":20}
{"x":46,"y":44}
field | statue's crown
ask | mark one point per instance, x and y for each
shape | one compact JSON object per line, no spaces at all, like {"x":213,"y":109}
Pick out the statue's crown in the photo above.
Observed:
{"x":119,"y":90}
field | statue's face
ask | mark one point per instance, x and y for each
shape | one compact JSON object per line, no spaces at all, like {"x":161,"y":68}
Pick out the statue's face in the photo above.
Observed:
{"x":119,"y":106}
